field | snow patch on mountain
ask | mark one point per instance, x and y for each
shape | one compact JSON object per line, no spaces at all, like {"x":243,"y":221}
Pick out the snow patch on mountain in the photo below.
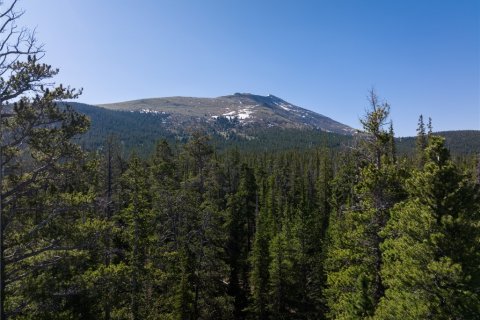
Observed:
{"x":241,"y":114}
{"x":151,"y":111}
{"x":284,"y":106}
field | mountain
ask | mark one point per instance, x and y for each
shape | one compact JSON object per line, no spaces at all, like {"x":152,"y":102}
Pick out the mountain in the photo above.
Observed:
{"x":141,"y":130}
{"x":238,"y":111}
{"x":243,"y":121}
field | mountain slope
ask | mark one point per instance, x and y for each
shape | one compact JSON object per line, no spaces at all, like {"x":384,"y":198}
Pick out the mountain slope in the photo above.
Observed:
{"x":241,"y":110}
{"x":459,"y":142}
{"x":140,"y":131}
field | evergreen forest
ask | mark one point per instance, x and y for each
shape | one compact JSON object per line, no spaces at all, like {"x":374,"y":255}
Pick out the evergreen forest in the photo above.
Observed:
{"x":192,"y":232}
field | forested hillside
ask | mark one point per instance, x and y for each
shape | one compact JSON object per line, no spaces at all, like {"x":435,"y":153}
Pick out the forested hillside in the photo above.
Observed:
{"x":461,"y":142}
{"x":278,"y":225}
{"x":191,"y":233}
{"x":140,"y":132}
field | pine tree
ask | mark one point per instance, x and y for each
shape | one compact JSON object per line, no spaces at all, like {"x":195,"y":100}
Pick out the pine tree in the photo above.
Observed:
{"x":375,"y":143}
{"x":282,"y":273}
{"x":391,"y":141}
{"x":421,"y":142}
{"x":354,"y":261}
{"x":241,"y":225}
{"x":432,"y":266}
{"x":478,"y":169}
{"x":37,"y":217}
{"x":136,"y":220}
{"x":260,"y":256}
{"x":214,"y":301}
{"x":104,"y":280}
{"x":168,"y":257}
{"x":260,"y":260}
{"x":201,"y":237}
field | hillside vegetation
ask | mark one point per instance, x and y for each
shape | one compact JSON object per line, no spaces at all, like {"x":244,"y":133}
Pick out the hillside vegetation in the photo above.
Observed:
{"x":140,"y":131}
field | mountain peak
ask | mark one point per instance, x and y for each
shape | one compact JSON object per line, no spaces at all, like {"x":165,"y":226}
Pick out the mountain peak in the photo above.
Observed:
{"x":246,"y":110}
{"x":255,"y":96}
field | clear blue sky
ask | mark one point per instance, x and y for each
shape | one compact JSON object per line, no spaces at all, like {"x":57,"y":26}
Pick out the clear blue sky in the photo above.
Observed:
{"x":421,"y":56}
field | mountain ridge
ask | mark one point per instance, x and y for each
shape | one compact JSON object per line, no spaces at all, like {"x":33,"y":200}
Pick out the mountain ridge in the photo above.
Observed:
{"x":243,"y":110}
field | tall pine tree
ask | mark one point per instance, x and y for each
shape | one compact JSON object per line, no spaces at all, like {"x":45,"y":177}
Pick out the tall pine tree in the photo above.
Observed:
{"x":354,"y":261}
{"x":431,"y":261}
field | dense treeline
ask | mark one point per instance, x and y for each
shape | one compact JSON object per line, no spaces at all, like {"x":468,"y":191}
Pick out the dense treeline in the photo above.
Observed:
{"x":462,"y":142}
{"x":192,"y":233}
{"x":140,"y":132}
{"x":188,"y":233}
